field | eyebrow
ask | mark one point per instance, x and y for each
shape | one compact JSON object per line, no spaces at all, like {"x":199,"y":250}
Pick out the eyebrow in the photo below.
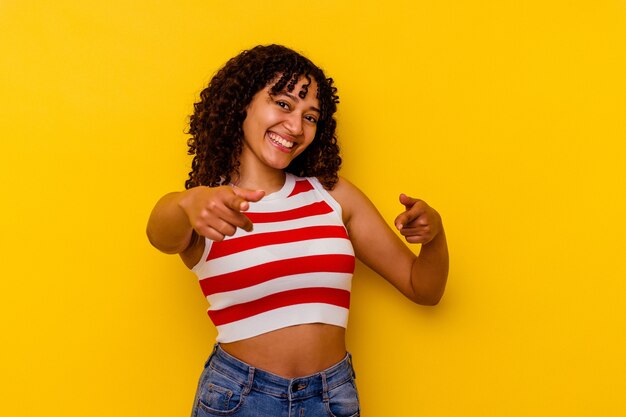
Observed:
{"x":293,"y":97}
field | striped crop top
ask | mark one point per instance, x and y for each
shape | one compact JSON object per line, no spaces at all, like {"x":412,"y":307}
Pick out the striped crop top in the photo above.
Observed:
{"x":295,"y":267}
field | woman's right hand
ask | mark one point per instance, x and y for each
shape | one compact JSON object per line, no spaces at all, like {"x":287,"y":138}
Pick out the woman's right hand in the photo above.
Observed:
{"x":217,"y":212}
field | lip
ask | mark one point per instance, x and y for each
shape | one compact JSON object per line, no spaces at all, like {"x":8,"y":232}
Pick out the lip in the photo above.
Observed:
{"x":278,"y":145}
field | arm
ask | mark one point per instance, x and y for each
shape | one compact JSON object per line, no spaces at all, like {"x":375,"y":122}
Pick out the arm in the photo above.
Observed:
{"x":211,"y":212}
{"x":420,"y":278}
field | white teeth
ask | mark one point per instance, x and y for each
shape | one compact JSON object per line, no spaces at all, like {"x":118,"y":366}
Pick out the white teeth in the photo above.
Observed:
{"x":274,"y":137}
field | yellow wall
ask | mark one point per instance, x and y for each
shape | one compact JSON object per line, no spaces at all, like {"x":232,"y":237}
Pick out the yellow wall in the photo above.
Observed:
{"x":507,"y":116}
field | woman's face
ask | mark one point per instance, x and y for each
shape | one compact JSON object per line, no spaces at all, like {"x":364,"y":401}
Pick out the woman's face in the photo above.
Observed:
{"x":279,"y":127}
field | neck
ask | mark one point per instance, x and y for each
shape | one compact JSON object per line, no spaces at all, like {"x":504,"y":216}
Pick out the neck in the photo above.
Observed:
{"x":268,"y":180}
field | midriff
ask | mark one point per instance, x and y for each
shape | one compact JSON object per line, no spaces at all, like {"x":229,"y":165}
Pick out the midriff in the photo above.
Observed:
{"x":292,"y":351}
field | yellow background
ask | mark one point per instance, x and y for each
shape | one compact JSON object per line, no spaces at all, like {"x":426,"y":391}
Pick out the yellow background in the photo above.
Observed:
{"x":508,"y":116}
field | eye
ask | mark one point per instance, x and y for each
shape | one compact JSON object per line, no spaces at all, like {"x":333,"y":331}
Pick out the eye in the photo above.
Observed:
{"x":283,"y":104}
{"x":311,"y":119}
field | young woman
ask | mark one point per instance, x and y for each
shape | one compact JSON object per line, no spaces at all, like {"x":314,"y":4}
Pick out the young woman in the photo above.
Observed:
{"x":272,"y":233}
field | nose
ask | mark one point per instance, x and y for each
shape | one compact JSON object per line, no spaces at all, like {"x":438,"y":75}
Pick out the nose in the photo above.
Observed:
{"x":293,"y":123}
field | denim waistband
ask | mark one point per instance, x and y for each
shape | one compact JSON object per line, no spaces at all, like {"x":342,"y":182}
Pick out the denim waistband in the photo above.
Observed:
{"x":292,"y":388}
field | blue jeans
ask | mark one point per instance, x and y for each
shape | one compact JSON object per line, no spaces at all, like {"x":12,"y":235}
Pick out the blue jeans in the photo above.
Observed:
{"x":230,"y":387}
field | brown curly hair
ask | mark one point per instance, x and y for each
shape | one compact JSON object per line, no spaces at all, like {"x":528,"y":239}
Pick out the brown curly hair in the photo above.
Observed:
{"x":216,"y":126}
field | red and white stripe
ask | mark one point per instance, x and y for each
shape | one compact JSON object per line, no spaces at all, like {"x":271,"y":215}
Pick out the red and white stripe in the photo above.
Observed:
{"x":295,"y":267}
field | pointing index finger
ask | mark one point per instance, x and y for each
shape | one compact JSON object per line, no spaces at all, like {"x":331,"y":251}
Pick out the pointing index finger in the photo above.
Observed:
{"x":249,"y":195}
{"x":240,"y":199}
{"x":241,"y":203}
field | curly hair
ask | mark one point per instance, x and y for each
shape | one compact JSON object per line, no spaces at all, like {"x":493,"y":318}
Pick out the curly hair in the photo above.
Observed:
{"x":216,"y":126}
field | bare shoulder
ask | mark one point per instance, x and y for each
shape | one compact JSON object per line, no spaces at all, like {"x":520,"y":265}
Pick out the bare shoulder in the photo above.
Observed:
{"x":343,"y":186}
{"x":345,"y":193}
{"x":351,"y":199}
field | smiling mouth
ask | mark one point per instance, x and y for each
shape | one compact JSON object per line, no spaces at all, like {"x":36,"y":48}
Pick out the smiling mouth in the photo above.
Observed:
{"x":279,"y":140}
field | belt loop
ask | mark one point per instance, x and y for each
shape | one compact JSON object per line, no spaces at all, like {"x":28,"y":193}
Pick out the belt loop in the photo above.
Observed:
{"x":208,"y":361}
{"x":351,"y":365}
{"x":250,"y":381}
{"x":324,"y":388}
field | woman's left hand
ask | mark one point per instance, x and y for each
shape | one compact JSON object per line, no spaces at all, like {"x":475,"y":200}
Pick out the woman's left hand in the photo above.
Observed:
{"x":419,"y":223}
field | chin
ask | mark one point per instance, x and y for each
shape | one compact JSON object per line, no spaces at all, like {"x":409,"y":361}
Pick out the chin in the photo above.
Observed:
{"x":280,"y":164}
